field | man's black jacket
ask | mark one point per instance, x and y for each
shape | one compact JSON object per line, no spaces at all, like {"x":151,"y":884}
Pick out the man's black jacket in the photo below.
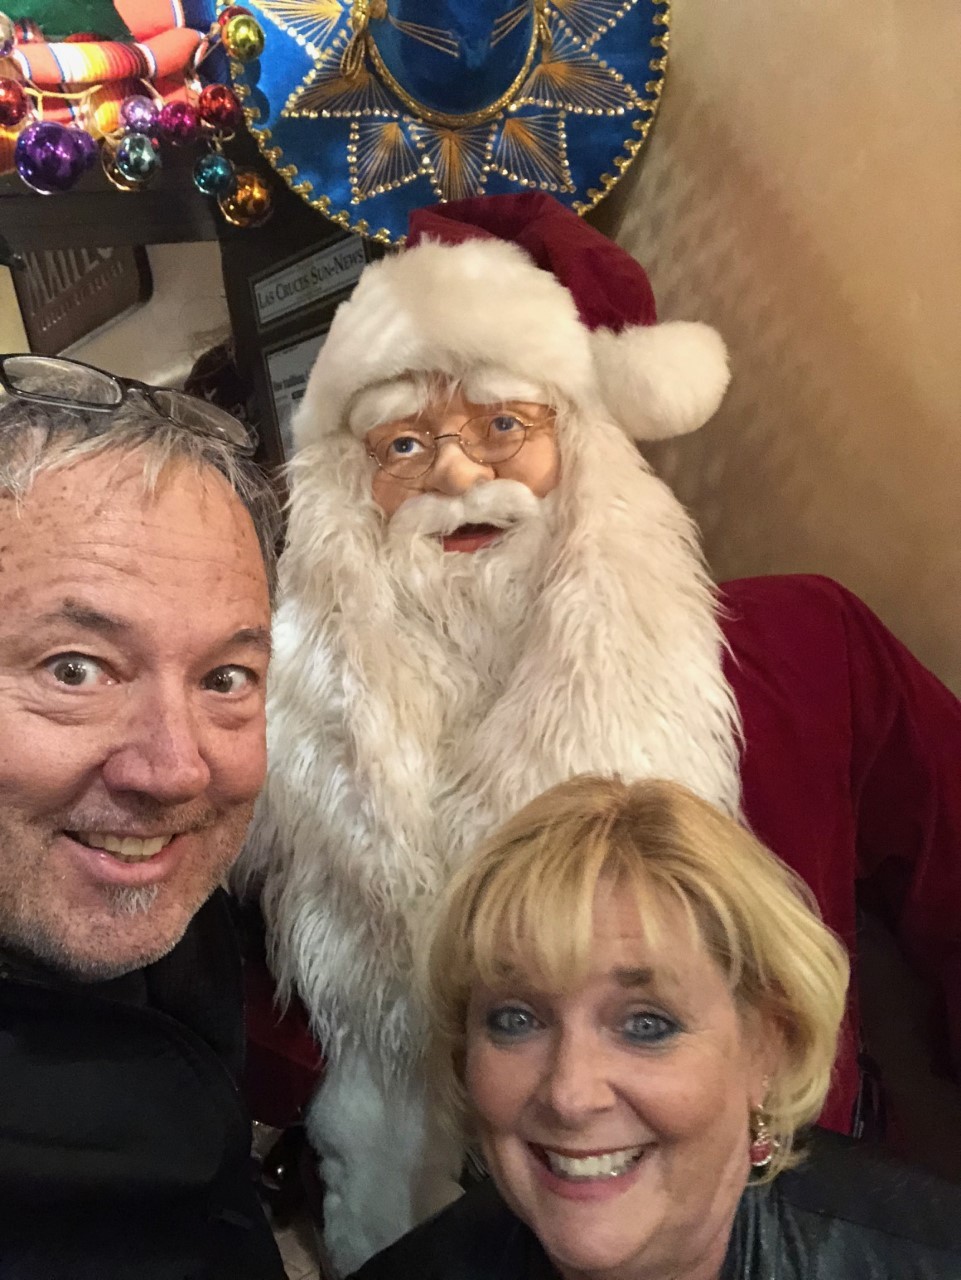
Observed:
{"x":124,"y":1144}
{"x":841,"y":1215}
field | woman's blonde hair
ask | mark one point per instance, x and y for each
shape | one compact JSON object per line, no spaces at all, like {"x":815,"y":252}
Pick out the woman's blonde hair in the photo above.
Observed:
{"x":525,"y":901}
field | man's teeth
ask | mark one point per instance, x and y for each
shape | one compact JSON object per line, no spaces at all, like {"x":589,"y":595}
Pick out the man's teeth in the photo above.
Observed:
{"x":126,"y":848}
{"x":611,"y":1165}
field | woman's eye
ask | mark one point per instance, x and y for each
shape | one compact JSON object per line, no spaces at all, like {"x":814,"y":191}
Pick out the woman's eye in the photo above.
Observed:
{"x":75,"y":670}
{"x":648,"y":1028}
{"x":511,"y":1022}
{"x":229,"y":680}
{"x":405,"y":447}
{"x":504,"y":423}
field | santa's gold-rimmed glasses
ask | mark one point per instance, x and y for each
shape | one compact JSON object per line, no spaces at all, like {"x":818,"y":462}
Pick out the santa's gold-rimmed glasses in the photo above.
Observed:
{"x":407,"y":451}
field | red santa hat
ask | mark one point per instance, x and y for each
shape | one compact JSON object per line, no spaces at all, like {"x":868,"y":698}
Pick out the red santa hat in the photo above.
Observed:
{"x":520,"y":286}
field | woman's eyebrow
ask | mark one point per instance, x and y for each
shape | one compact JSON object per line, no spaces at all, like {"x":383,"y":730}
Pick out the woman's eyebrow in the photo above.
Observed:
{"x":633,"y":977}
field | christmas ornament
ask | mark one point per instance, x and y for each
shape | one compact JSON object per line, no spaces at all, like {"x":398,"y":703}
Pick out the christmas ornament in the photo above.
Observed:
{"x":136,"y":158}
{"x":87,"y":146}
{"x":214,"y":174}
{"x":8,"y":35}
{"x":14,"y":104}
{"x":232,"y":11}
{"x":48,"y":157}
{"x":113,"y":175}
{"x":249,"y":203}
{"x":219,"y":107}
{"x":243,"y":37}
{"x":179,"y":123}
{"x":138,"y":113}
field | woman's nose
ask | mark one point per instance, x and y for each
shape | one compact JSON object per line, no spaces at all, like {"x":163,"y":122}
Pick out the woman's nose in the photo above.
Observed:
{"x":576,"y":1083}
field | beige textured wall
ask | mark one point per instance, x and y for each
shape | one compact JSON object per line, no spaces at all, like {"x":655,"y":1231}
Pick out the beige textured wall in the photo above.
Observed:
{"x":802,"y":192}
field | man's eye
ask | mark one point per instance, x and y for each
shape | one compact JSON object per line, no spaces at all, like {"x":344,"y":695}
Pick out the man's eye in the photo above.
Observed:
{"x":511,"y":1022}
{"x":75,"y":670}
{"x":648,"y":1028}
{"x":229,"y":680}
{"x":504,"y":423}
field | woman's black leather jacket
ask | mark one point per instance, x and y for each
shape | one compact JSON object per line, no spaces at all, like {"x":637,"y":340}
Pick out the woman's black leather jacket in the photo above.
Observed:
{"x":845,"y":1213}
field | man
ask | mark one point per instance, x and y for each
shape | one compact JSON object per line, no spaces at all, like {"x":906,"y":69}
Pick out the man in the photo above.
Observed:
{"x":487,"y":591}
{"x":134,"y":641}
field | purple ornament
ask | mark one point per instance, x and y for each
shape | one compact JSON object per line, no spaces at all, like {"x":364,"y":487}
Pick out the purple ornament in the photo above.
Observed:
{"x":87,"y":146}
{"x":48,"y":157}
{"x":138,"y":113}
{"x":179,"y":123}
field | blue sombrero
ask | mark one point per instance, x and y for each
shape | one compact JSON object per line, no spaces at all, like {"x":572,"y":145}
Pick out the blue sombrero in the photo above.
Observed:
{"x":371,"y":108}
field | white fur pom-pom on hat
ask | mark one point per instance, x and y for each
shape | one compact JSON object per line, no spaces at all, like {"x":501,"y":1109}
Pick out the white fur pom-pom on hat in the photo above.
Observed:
{"x":522,"y":284}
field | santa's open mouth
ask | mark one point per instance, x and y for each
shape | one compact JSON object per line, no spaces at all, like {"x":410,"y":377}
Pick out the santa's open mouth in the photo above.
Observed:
{"x":471,"y":537}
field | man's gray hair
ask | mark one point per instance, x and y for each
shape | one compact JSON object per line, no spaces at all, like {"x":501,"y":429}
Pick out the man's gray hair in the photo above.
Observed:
{"x":36,"y":437}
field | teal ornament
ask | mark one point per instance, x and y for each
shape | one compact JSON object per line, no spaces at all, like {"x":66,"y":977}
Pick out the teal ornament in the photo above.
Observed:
{"x":214,"y":174}
{"x":136,"y":157}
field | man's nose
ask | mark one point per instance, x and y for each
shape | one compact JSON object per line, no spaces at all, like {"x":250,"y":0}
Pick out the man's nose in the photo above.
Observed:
{"x":159,"y":752}
{"x":576,"y":1085}
{"x":453,"y":473}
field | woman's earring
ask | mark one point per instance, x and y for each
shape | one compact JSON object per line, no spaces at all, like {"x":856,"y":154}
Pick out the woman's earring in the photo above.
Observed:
{"x":763,"y":1143}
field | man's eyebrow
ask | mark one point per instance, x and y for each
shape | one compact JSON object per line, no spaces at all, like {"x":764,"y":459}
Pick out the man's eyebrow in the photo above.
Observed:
{"x":91,"y":619}
{"x":254,"y":637}
{"x":633,"y":977}
{"x":82,"y":615}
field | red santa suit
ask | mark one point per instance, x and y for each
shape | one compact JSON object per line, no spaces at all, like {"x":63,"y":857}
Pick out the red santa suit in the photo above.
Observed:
{"x":851,"y":772}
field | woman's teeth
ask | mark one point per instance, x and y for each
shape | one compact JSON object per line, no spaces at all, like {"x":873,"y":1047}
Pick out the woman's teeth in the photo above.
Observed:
{"x":580,"y":1169}
{"x":126,"y":848}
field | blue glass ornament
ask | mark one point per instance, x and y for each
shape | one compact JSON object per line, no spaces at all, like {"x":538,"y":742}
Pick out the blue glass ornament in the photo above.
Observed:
{"x":48,"y":157}
{"x":136,"y":157}
{"x":214,"y":174}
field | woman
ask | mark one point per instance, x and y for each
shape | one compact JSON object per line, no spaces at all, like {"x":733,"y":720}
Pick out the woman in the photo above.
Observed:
{"x":635,"y":1010}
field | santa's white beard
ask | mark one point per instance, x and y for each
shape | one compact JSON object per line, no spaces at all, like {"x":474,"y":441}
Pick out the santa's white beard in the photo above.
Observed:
{"x":420,"y":697}
{"x":465,"y":613}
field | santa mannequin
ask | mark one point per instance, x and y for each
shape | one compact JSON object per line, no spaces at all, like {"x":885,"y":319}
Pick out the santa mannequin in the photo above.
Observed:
{"x":486,"y":591}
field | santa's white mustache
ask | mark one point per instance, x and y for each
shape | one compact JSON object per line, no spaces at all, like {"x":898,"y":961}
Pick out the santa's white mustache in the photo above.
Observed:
{"x":499,"y":502}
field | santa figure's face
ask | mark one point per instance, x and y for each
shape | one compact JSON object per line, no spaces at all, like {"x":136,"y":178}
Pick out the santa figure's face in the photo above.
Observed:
{"x":425,"y":436}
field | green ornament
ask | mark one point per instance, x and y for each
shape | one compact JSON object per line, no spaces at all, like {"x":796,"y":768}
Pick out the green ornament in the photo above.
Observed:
{"x":58,"y":19}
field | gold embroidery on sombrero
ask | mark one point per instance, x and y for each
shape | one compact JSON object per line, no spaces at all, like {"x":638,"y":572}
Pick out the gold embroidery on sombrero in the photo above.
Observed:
{"x":591,"y":19}
{"x":456,"y":160}
{"x":532,"y":151}
{"x":380,"y":158}
{"x":309,"y":22}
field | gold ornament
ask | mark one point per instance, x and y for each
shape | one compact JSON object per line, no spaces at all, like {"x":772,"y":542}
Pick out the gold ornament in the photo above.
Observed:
{"x":244,"y":37}
{"x":249,"y":203}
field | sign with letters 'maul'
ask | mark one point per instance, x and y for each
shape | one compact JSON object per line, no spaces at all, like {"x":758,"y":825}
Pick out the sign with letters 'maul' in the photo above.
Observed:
{"x":309,"y":280}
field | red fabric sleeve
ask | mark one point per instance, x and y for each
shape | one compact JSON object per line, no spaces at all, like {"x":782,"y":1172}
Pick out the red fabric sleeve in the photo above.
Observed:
{"x":906,"y":784}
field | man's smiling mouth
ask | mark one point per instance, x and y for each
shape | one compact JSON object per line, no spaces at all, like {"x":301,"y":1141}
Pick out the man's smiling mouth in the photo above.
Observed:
{"x":123,"y":848}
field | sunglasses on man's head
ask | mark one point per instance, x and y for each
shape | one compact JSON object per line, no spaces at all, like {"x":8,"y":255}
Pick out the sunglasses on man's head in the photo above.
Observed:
{"x":71,"y":384}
